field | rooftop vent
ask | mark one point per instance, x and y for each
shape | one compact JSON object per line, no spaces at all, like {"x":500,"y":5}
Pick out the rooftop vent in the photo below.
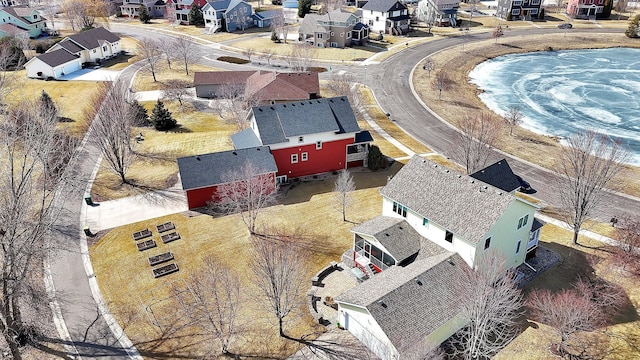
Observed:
{"x":447,"y":171}
{"x":284,"y":105}
{"x":382,"y":304}
{"x":258,"y":149}
{"x":451,"y":262}
{"x":459,"y":176}
{"x":198,"y":158}
{"x":400,"y":227}
{"x":472,"y":181}
{"x":271,"y":107}
{"x":418,"y":281}
{"x":485,"y":187}
{"x":235,"y":153}
{"x":259,"y":109}
{"x":292,"y":104}
{"x":435,"y":165}
{"x":386,"y":234}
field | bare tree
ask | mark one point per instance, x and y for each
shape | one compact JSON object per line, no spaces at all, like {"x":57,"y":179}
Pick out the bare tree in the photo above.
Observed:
{"x":83,"y":14}
{"x":343,"y":85}
{"x":497,"y":33}
{"x":571,"y":311}
{"x":627,"y":252}
{"x":514,"y":117}
{"x":268,"y":54}
{"x":587,"y":164}
{"x":249,"y":53}
{"x":429,"y":65}
{"x":302,"y":54}
{"x":234,"y":106}
{"x":246,"y":191}
{"x":28,"y":210}
{"x":185,"y":51}
{"x":280,"y":26}
{"x":279,"y":268}
{"x":492,"y":303}
{"x":214,"y":301}
{"x":477,"y":136}
{"x":176,"y":90}
{"x":151,"y":51}
{"x":112,"y":126}
{"x":621,"y":7}
{"x":442,"y":82}
{"x":342,"y":189}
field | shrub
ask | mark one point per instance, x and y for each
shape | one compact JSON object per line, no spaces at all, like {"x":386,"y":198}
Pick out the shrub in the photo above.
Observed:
{"x":233,"y":60}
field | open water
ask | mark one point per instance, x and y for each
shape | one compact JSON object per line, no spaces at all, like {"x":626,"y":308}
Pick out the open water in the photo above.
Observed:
{"x":564,"y":92}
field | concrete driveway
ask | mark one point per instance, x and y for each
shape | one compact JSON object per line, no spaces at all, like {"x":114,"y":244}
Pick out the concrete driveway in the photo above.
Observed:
{"x":92,"y":75}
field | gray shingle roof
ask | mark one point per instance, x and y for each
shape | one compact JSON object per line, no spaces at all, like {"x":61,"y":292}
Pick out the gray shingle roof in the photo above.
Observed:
{"x":91,"y":39}
{"x":383,"y":5}
{"x":463,"y":205}
{"x":310,"y":22}
{"x":56,"y":57}
{"x":70,"y":46}
{"x":209,"y":169}
{"x":396,"y":235}
{"x":269,"y":14}
{"x":278,"y":122}
{"x":498,"y":174}
{"x":245,"y":139}
{"x":411,"y":311}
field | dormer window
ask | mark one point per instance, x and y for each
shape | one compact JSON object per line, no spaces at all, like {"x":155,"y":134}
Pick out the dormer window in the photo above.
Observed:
{"x":300,"y":138}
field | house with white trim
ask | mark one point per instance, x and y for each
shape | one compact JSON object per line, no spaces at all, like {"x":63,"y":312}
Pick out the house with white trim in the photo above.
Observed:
{"x":434,"y":221}
{"x":23,"y":18}
{"x":386,"y":16}
{"x":131,"y":8}
{"x":227,"y":15}
{"x":519,"y":9}
{"x":439,"y":12}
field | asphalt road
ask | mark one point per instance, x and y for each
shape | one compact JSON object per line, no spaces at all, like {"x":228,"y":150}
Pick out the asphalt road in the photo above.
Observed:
{"x":90,"y":333}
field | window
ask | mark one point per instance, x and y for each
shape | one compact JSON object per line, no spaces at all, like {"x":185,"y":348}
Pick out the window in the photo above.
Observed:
{"x":517,"y":3}
{"x":518,"y":246}
{"x":300,"y":138}
{"x":425,"y":222}
{"x":294,"y":158}
{"x":370,"y":22}
{"x":487,"y":243}
{"x":523,"y":221}
{"x":535,"y":2}
{"x":448,"y":236}
{"x":319,"y":36}
{"x":377,"y":18}
{"x":305,"y":156}
{"x":341,"y":34}
{"x":399,"y":209}
{"x":94,"y":51}
{"x":533,"y":12}
{"x":332,"y":33}
{"x":348,"y":35}
{"x":318,"y":145}
{"x":515,"y":12}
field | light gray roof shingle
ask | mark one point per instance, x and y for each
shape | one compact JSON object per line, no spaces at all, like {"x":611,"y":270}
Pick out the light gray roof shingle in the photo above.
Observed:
{"x":412,"y":311}
{"x":383,"y":5}
{"x":56,"y":57}
{"x":463,"y":205}
{"x":209,"y":169}
{"x":245,"y":139}
{"x":279,"y":121}
{"x":396,"y":235}
{"x":310,"y":22}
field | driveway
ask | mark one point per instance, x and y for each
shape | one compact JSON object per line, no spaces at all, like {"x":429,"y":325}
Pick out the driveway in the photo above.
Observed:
{"x":92,"y":75}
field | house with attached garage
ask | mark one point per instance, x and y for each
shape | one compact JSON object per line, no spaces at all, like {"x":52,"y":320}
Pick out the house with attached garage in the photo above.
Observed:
{"x":131,"y":8}
{"x":23,"y":18}
{"x":434,"y":222}
{"x":90,"y":46}
{"x":519,"y":9}
{"x":227,"y":15}
{"x":386,"y":16}
{"x":338,"y":29}
{"x":439,"y":12}
{"x":202,"y":174}
{"x":307,"y":137}
{"x":264,"y":19}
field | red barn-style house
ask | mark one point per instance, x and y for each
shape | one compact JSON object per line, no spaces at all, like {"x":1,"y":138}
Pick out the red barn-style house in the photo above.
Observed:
{"x":307,"y":137}
{"x":202,"y":174}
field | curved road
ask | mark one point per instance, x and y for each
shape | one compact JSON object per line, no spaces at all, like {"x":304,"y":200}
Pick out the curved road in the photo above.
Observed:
{"x":90,"y":335}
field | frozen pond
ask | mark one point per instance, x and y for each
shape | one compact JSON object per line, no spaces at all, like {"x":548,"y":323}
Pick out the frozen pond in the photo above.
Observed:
{"x":564,"y":92}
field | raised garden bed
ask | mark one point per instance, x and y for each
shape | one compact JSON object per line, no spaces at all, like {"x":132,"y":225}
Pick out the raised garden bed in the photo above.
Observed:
{"x":138,"y":235}
{"x":144,"y":245}
{"x":165,"y":270}
{"x":165,"y":227}
{"x":160,"y":258}
{"x":170,"y":237}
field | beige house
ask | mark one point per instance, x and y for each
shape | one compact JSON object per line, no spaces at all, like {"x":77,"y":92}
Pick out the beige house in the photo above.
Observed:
{"x":338,"y":28}
{"x":434,"y":223}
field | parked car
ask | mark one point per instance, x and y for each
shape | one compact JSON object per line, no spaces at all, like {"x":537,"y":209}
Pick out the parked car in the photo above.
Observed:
{"x":565,"y":26}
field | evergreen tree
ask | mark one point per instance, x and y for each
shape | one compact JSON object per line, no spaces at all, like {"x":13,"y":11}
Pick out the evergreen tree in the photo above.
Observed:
{"x":195,"y":15}
{"x":633,"y":31}
{"x":47,"y":105}
{"x":375,"y":159}
{"x":161,"y":118}
{"x":143,"y":14}
{"x":606,"y":11}
{"x":140,"y":115}
{"x":304,"y":7}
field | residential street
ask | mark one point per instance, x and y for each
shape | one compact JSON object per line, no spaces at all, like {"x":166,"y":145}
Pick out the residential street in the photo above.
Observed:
{"x":390,"y":81}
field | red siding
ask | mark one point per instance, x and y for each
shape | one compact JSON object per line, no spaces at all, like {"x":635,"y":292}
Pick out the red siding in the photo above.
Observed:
{"x":331,"y":157}
{"x":197,"y":198}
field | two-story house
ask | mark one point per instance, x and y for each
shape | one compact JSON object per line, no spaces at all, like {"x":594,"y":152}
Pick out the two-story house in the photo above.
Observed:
{"x":386,"y":16}
{"x":307,"y":137}
{"x":21,"y":19}
{"x":434,"y":224}
{"x":337,"y":28}
{"x":439,"y":12}
{"x":131,"y":8}
{"x":518,"y":9}
{"x":178,"y":10}
{"x":585,"y":9}
{"x":227,"y":15}
{"x":68,"y":55}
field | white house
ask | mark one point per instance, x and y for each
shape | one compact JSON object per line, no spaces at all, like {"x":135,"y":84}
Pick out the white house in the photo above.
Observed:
{"x":131,"y":8}
{"x":25,"y":18}
{"x":91,"y":46}
{"x":433,"y":222}
{"x":386,"y":16}
{"x":438,"y":12}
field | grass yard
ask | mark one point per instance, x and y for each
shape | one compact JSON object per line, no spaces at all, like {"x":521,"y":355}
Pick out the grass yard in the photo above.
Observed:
{"x":462,"y":99}
{"x":576,"y":261}
{"x":143,"y":80}
{"x":130,"y":288}
{"x":199,"y":132}
{"x":262,"y":44}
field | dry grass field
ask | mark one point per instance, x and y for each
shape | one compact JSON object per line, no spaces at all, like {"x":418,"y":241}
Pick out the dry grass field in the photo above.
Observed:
{"x":144,"y":79}
{"x":462,"y":99}
{"x":131,"y":291}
